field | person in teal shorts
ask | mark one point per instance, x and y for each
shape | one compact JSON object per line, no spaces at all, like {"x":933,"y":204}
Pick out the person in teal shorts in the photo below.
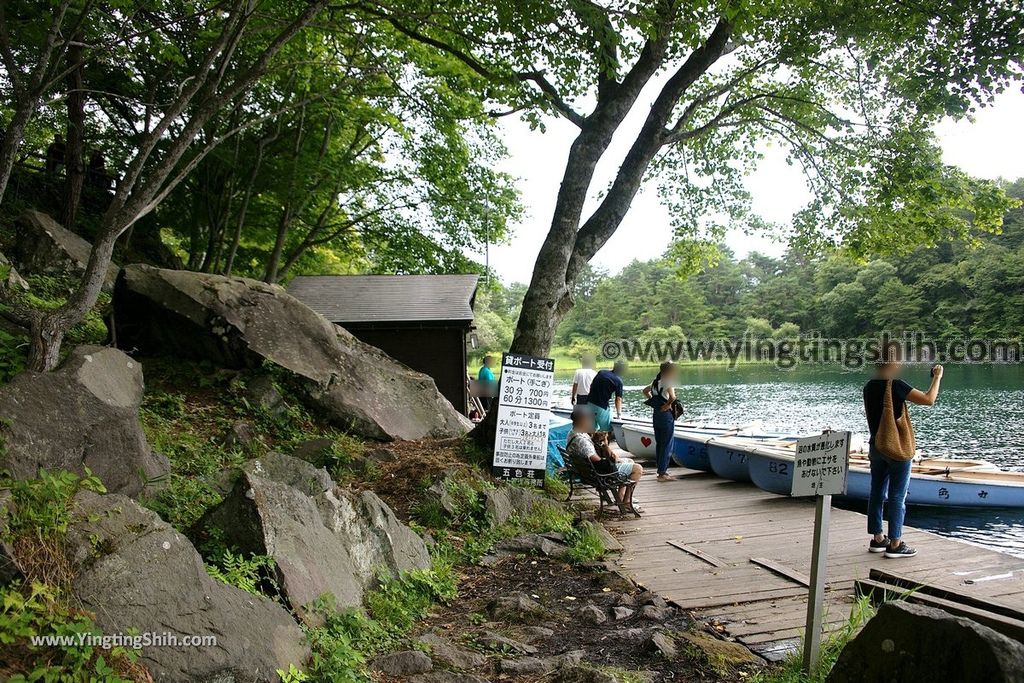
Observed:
{"x":606,"y":384}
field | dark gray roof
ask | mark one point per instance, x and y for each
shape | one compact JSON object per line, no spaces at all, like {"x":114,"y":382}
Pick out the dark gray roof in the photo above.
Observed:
{"x":387,"y":298}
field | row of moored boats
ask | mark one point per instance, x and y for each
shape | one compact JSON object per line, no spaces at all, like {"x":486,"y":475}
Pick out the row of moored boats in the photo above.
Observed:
{"x":747,"y":453}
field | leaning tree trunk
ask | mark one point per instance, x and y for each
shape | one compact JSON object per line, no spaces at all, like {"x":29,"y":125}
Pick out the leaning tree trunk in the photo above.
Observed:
{"x":12,"y":139}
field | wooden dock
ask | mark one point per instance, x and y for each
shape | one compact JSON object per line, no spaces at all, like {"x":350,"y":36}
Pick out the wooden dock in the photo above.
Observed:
{"x":738,"y":558}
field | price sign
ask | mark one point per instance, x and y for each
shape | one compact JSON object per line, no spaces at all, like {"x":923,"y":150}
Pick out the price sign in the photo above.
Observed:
{"x":524,"y":410}
{"x":820,"y":466}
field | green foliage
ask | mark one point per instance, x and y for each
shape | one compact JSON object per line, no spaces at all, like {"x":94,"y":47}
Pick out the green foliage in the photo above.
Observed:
{"x":252,"y":574}
{"x":293,"y":675}
{"x":28,"y":612}
{"x":346,"y":640}
{"x":791,"y":669}
{"x":47,"y":292}
{"x":186,"y":412}
{"x":956,"y":289}
{"x":585,"y":544}
{"x":12,"y":355}
{"x":42,"y":507}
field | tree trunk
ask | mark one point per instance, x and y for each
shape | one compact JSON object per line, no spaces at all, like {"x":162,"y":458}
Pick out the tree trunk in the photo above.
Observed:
{"x":274,"y":261}
{"x":46,"y":335}
{"x":74,"y":165}
{"x":49,"y":329}
{"x":12,"y":140}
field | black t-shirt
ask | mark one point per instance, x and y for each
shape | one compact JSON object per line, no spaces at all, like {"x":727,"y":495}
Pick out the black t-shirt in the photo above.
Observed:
{"x":874,"y":393}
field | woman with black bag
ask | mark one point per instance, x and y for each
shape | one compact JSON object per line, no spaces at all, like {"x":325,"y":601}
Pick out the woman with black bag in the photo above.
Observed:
{"x":661,"y":396}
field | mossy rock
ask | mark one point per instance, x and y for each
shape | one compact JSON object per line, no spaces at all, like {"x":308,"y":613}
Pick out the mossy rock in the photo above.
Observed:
{"x":721,"y":655}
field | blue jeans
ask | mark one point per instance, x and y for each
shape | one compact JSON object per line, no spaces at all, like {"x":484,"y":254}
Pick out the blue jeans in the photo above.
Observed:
{"x":664,"y":432}
{"x":893,"y":475}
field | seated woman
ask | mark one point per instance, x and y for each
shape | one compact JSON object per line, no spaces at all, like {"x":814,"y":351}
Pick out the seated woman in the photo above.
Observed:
{"x":580,"y":443}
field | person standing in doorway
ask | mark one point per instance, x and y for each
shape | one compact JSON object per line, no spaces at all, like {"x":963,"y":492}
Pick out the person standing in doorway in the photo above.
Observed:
{"x":891,"y":451}
{"x":487,"y":382}
{"x":606,"y":384}
{"x":661,"y":393}
{"x":581,"y":381}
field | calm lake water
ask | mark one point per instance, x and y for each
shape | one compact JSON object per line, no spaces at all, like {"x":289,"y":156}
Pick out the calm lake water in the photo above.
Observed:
{"x":980,"y":414}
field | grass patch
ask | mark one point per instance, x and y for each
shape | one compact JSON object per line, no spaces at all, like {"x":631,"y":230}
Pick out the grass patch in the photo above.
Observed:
{"x":347,"y":640}
{"x":791,"y":669}
{"x":187,"y":412}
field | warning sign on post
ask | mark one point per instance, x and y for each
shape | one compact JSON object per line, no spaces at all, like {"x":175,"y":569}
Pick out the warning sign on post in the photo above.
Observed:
{"x":524,"y":410}
{"x":820,"y":466}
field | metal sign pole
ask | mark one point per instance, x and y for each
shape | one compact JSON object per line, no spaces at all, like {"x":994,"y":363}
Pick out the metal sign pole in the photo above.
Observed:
{"x":816,"y":597}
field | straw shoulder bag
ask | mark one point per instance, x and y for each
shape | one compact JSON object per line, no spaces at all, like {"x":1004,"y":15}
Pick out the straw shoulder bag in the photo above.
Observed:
{"x":895,"y":437}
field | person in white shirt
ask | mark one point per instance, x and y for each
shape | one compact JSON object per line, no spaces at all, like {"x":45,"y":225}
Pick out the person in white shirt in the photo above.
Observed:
{"x":581,"y":381}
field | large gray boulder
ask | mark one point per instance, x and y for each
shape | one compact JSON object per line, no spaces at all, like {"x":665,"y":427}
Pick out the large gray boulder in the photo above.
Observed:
{"x":84,"y":414}
{"x":918,"y":644}
{"x":238,"y":323}
{"x":45,"y":247}
{"x":134,"y":571}
{"x":322,"y":539}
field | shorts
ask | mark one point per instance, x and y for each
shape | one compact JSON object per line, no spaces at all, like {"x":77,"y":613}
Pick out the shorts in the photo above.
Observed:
{"x":625,"y":467}
{"x":602,"y":418}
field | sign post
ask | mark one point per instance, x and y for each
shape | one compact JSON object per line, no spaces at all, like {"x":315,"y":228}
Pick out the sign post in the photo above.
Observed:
{"x":524,"y":411}
{"x":819,"y":470}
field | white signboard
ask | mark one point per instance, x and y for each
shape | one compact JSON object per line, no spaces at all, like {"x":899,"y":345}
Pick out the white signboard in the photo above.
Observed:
{"x":524,"y":410}
{"x":820,"y":466}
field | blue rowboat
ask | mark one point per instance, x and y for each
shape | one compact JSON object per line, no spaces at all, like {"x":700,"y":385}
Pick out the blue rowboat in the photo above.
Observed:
{"x":693,"y":449}
{"x":729,"y":460}
{"x":974,"y":487}
{"x":943,"y":482}
{"x":771,"y":470}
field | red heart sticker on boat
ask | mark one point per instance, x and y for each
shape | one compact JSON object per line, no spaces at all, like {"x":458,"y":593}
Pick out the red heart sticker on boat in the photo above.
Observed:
{"x":645,"y":440}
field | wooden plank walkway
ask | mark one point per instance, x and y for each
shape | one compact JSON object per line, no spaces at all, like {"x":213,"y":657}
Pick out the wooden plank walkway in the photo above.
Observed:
{"x":699,"y":534}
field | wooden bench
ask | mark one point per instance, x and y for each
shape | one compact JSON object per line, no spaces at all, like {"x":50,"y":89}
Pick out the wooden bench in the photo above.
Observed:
{"x":580,"y":473}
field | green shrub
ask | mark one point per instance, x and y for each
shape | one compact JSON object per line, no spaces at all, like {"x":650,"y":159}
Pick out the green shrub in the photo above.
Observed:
{"x":255,"y":574}
{"x":791,"y":669}
{"x":13,"y":351}
{"x":347,"y":639}
{"x":585,"y":544}
{"x":39,"y":611}
{"x":183,"y":500}
{"x":42,"y":507}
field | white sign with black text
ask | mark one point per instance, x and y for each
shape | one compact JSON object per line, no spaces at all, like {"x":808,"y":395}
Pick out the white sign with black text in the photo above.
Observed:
{"x":524,"y":410}
{"x":820,"y":465}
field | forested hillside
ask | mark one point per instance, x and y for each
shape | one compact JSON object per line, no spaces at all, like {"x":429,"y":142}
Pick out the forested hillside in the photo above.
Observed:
{"x":951,"y":290}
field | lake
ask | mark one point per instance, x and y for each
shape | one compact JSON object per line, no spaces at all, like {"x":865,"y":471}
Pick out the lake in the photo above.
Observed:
{"x":980,"y":414}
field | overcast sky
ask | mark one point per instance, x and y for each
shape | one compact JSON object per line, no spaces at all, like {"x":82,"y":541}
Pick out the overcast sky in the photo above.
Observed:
{"x":990,"y":147}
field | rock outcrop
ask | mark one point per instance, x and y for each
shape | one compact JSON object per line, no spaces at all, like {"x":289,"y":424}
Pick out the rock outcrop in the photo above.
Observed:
{"x":134,"y":571}
{"x":322,"y":539}
{"x":237,"y":322}
{"x":84,"y":414}
{"x":12,"y":279}
{"x":917,"y":644}
{"x":45,"y":247}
